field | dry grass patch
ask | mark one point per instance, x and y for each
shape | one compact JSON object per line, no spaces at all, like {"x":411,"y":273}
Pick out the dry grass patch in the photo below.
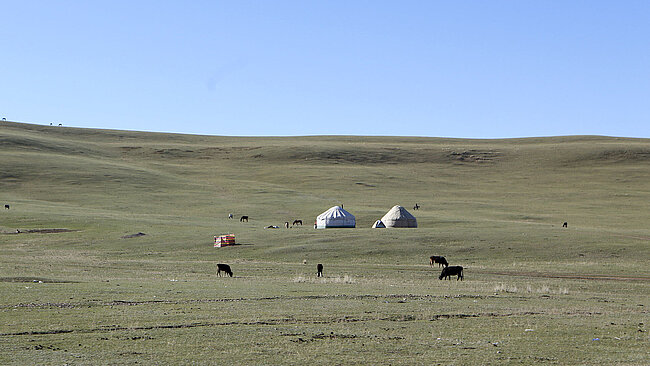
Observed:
{"x":338,"y":279}
{"x":544,"y":289}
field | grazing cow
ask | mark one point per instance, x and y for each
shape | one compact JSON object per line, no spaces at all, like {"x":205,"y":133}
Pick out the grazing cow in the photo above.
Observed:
{"x":438,"y":259}
{"x":452,"y":271}
{"x":6,"y":207}
{"x":565,"y":224}
{"x":286,"y":224}
{"x":225,"y":268}
{"x":243,"y":218}
{"x":319,"y":268}
{"x":296,"y":222}
{"x":230,"y":216}
{"x":416,"y":207}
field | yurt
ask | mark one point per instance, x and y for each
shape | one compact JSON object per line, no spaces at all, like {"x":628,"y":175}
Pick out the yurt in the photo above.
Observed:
{"x":378,"y":225}
{"x":399,"y":217}
{"x":335,"y":217}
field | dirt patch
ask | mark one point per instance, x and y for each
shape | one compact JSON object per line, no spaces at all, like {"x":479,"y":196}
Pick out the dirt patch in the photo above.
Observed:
{"x":277,"y":321}
{"x":242,"y":299}
{"x":33,"y":279}
{"x":40,"y":231}
{"x":571,"y":276}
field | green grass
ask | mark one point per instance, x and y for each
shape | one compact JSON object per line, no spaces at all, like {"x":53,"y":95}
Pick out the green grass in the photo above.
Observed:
{"x":493,"y":206}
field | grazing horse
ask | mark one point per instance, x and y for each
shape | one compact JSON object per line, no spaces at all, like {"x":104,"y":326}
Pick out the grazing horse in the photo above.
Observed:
{"x":296,"y":222}
{"x":243,"y":218}
{"x":225,"y":268}
{"x":438,"y":259}
{"x":416,"y":207}
{"x":565,"y":224}
{"x":319,"y":269}
{"x":6,"y":207}
{"x":452,"y":271}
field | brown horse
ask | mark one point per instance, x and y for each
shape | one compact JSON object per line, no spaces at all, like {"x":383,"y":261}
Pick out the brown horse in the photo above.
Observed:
{"x":243,"y":218}
{"x":438,"y":259}
{"x":296,"y":222}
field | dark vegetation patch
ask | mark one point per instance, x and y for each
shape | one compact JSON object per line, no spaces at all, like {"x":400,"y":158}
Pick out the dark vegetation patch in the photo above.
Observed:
{"x":396,"y":156}
{"x":369,"y":155}
{"x":133,"y":235}
{"x":185,"y":153}
{"x":617,"y":155}
{"x":474,"y":156}
{"x":21,"y":143}
{"x":632,"y":155}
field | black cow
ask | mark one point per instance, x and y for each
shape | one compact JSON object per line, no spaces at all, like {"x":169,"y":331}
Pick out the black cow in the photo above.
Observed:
{"x":438,"y":259}
{"x":243,"y":218}
{"x":565,"y":224}
{"x":452,"y":271}
{"x":225,"y":268}
{"x":319,"y":268}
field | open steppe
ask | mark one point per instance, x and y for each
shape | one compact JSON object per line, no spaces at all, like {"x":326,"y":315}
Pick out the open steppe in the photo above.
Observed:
{"x":534,"y":292}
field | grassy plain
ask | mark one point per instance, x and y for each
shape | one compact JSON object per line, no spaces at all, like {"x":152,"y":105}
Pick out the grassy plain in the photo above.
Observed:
{"x":534,"y":292}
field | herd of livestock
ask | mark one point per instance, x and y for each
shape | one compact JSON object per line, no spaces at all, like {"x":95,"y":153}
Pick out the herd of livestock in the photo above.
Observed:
{"x":447,"y":270}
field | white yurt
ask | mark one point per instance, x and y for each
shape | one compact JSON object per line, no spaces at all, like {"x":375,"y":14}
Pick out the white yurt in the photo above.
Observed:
{"x":335,"y":217}
{"x":378,"y":225}
{"x":399,"y":217}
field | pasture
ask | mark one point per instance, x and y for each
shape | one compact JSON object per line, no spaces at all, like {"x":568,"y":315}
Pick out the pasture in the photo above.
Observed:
{"x":76,"y":289}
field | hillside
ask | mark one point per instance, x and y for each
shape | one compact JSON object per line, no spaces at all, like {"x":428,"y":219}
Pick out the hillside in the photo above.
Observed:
{"x":494,"y":206}
{"x":538,"y":179}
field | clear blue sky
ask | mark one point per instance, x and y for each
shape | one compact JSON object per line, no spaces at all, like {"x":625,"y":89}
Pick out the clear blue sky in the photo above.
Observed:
{"x":424,"y":68}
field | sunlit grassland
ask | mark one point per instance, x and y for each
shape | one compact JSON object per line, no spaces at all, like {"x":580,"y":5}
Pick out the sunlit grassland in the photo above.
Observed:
{"x":534,"y":292}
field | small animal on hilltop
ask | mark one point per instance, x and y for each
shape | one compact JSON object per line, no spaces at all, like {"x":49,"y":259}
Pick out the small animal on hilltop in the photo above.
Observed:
{"x":565,"y":224}
{"x":438,"y":259}
{"x":296,"y":222}
{"x":230,"y":216}
{"x":6,"y":207}
{"x":243,"y":218}
{"x":416,"y":207}
{"x":223,"y":268}
{"x":319,"y":269}
{"x":452,"y":271}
